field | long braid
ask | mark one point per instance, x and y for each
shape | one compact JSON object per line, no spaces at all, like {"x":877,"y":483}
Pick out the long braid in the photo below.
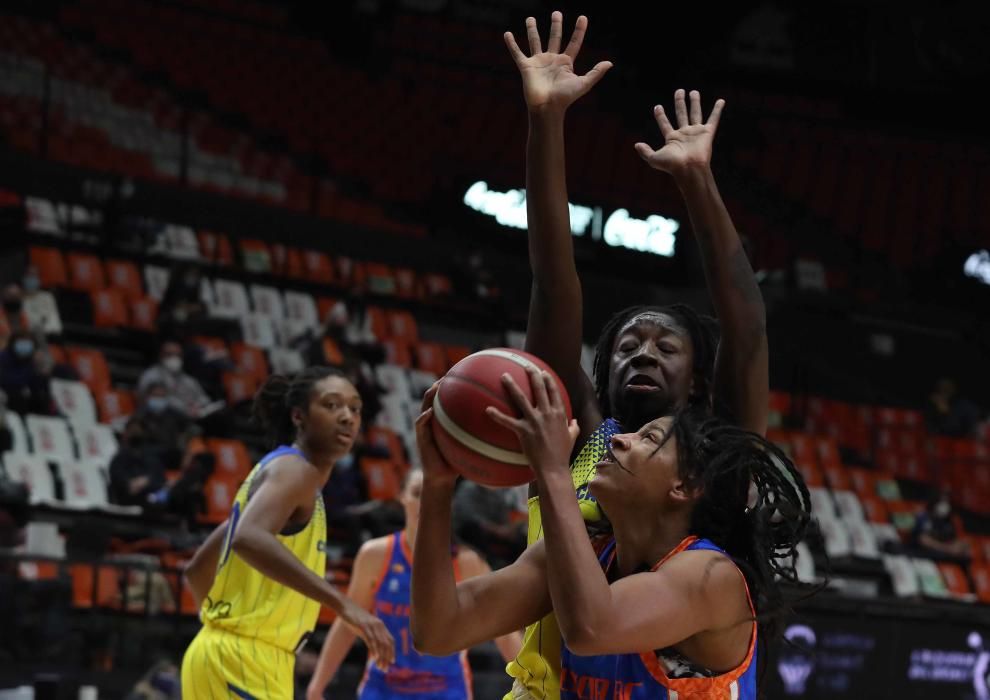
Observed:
{"x":754,"y":504}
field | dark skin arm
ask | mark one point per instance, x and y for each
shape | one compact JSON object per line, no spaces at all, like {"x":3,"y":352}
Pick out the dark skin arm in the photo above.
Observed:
{"x":741,"y":366}
{"x":448,"y":616}
{"x":550,"y":86}
{"x":286,"y":496}
{"x":200,"y":570}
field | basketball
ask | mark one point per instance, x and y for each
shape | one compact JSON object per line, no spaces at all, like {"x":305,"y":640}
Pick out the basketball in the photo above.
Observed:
{"x":471,"y":442}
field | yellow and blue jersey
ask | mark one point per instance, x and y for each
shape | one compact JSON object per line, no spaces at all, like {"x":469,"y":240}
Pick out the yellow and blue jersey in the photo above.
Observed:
{"x":663,"y":675}
{"x":413,"y":675}
{"x":536,"y":669}
{"x":252,"y":625}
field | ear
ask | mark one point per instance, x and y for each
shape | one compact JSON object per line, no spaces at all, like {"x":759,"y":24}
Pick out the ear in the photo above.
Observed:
{"x":297,"y":416}
{"x":683,"y":492}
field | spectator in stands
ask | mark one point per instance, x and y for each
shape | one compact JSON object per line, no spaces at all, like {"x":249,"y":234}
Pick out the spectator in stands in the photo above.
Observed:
{"x":27,"y":388}
{"x":483,"y":519}
{"x":182,"y":302}
{"x":947,"y":413}
{"x":13,"y":308}
{"x":184,"y":393}
{"x":135,"y":472}
{"x":40,"y":308}
{"x":167,"y":429}
{"x":935,"y":530}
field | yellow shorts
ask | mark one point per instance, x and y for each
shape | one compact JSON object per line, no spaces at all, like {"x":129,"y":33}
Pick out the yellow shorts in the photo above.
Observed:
{"x":219,"y":664}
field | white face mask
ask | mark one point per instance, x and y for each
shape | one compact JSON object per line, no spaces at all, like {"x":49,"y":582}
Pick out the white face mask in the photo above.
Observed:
{"x":173,"y":364}
{"x":942,"y":509}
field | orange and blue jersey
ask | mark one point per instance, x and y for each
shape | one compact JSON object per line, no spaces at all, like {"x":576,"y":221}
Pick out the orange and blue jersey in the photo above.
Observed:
{"x":663,"y":675}
{"x":412,"y":675}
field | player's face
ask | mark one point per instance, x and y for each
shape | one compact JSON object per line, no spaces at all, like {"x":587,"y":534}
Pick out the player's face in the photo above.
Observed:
{"x":650,"y":372}
{"x":333,"y":418}
{"x":410,"y":497}
{"x":639,"y":469}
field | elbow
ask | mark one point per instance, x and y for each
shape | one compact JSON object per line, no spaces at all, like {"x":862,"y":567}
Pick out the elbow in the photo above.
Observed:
{"x":426,"y":643}
{"x":580,"y":637}
{"x":433,"y":636}
{"x":241,"y":543}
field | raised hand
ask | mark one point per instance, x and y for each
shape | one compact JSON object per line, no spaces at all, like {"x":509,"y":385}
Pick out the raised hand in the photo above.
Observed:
{"x":690,"y":144}
{"x":549,"y":80}
{"x":436,"y":470}
{"x":545,"y":434}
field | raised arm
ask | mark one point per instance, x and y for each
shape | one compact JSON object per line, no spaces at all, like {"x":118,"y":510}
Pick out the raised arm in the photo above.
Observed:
{"x":340,"y":638}
{"x":741,"y":367}
{"x":288,"y":487}
{"x":448,"y":616}
{"x":550,"y":86}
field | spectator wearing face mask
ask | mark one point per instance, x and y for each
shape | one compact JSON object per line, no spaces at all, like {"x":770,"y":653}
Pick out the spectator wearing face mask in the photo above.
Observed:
{"x":39,"y":305}
{"x":183,"y":392}
{"x":935,"y":530}
{"x":135,"y":472}
{"x":26,"y":387}
{"x":166,"y":429}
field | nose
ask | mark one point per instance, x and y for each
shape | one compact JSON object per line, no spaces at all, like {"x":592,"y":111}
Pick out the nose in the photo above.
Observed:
{"x":619,"y":442}
{"x":646,"y":356}
{"x":348,"y":416}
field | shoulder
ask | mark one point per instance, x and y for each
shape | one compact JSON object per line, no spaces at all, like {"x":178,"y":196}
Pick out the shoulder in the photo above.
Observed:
{"x":288,"y":471}
{"x":471,"y":563}
{"x":371,"y":556}
{"x":709,"y":577}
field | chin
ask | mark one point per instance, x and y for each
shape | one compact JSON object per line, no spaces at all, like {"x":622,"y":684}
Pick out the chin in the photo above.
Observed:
{"x":639,"y":409}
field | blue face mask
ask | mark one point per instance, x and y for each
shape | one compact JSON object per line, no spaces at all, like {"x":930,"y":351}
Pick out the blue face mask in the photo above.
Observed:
{"x":31,"y":283}
{"x":23,"y":347}
{"x":157,"y":404}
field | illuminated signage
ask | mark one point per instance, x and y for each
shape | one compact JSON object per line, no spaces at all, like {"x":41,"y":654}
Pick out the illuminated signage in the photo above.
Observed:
{"x":978,"y":266}
{"x":655,"y":234}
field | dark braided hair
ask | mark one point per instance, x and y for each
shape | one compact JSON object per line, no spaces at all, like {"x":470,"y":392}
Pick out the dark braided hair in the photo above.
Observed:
{"x":726,"y":463}
{"x":273,"y":404}
{"x":703,"y":331}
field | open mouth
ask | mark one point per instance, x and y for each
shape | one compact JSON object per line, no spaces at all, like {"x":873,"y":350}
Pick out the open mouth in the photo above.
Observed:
{"x":607,"y":460}
{"x":642,"y":384}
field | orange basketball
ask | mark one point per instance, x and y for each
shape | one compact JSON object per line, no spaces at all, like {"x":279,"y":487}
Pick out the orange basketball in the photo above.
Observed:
{"x":476,"y":446}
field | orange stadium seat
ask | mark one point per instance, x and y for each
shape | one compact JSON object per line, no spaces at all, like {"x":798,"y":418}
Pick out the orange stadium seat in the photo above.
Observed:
{"x":114,"y":404}
{"x":85,"y":272}
{"x":232,"y":460}
{"x":91,"y":366}
{"x":249,"y":360}
{"x":381,"y":477}
{"x":125,"y":277}
{"x":108,"y":309}
{"x":456,"y":353}
{"x":317,"y":267}
{"x":144,"y":314}
{"x":955,"y":579}
{"x":50,"y":265}
{"x":239,"y":386}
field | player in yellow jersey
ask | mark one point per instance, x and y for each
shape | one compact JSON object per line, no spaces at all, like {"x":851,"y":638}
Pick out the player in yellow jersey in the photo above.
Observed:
{"x":650,"y":361}
{"x":259,"y":577}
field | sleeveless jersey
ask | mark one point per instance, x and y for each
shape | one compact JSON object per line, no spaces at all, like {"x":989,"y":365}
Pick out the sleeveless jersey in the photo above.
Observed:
{"x":537,"y":666}
{"x":244,"y":602}
{"x":413,"y":674}
{"x":653,"y":676}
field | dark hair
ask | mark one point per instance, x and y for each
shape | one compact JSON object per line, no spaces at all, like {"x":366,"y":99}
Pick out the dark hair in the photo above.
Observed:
{"x":703,"y":331}
{"x":724,"y":462}
{"x":273,"y":404}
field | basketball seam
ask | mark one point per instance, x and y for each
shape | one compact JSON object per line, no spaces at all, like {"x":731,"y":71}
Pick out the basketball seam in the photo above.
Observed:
{"x":473,"y":443}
